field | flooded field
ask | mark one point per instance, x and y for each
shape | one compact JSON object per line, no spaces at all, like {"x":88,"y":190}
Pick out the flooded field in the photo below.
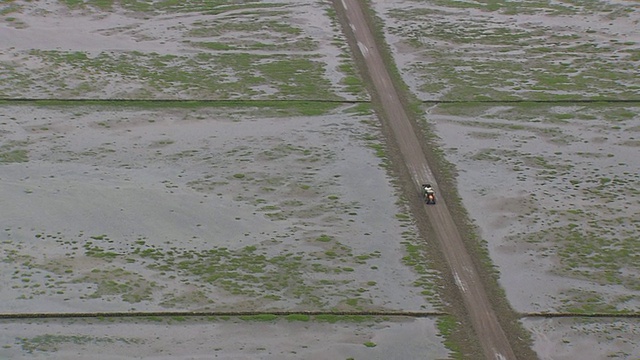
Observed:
{"x":249,"y":204}
{"x":272,"y":192}
{"x":549,"y":170}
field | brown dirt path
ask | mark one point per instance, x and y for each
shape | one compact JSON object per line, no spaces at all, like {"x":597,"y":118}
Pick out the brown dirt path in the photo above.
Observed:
{"x":483,"y":317}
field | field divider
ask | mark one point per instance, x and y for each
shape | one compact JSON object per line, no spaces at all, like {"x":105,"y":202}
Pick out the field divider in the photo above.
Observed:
{"x":125,"y":314}
{"x":630,"y":315}
{"x":525,"y":101}
{"x":180,"y":101}
{"x":412,"y":314}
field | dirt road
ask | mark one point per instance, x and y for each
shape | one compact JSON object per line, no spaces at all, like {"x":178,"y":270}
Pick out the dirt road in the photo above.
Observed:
{"x":485,"y":323}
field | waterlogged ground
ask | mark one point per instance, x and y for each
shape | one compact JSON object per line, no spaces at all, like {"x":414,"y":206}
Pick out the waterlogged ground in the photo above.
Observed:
{"x":579,"y":338}
{"x":118,"y":209}
{"x":297,"y":337}
{"x":562,"y":187}
{"x":280,"y":206}
{"x":232,"y":206}
{"x":214,"y":49}
{"x":199,"y":209}
{"x":514,"y":50}
{"x":553,"y":187}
